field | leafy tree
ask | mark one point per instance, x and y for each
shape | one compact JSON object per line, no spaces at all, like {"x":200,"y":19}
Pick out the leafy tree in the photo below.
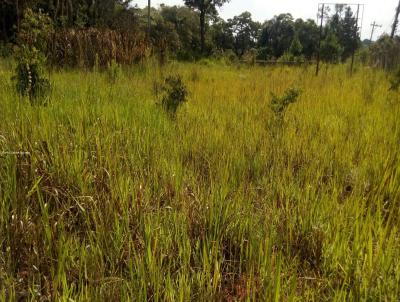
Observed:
{"x":222,"y":35}
{"x":296,"y":49}
{"x":343,"y":24}
{"x":331,"y":50}
{"x":164,"y":36}
{"x":184,"y":22}
{"x":308,"y":34}
{"x":349,"y":36}
{"x":385,"y":53}
{"x":205,"y":8}
{"x":175,"y":29}
{"x":277,"y":34}
{"x":245,"y":32}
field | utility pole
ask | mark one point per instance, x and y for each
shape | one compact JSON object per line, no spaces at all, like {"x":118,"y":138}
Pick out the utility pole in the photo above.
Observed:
{"x":374,"y":25}
{"x":320,"y":38}
{"x":148,"y":21}
{"x":356,"y":35}
{"x":396,"y":21}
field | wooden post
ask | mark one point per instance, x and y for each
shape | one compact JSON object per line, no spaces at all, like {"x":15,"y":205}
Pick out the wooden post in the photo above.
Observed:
{"x":356,"y":36}
{"x":148,"y":21}
{"x":320,"y":39}
{"x":373,"y":25}
{"x":396,"y":21}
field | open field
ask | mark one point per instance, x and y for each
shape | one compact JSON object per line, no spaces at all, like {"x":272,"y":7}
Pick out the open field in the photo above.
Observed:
{"x":117,"y":201}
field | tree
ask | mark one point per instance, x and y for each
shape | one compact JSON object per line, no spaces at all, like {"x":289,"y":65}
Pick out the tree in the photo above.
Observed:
{"x":222,"y":35}
{"x":350,"y":39}
{"x":277,"y":34}
{"x":385,"y":52}
{"x":308,"y":35}
{"x":184,"y":22}
{"x":331,"y":50}
{"x":343,"y":25}
{"x":296,"y":49}
{"x":205,"y":8}
{"x":245,"y":32}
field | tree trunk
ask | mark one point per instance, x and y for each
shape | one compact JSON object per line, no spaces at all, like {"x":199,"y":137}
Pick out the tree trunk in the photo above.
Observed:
{"x":202,"y":29}
{"x":3,"y":24}
{"x":17,"y":12}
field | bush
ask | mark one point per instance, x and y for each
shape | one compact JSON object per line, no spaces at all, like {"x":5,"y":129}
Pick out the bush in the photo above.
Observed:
{"x":206,"y":62}
{"x":32,"y":38}
{"x":250,"y":56}
{"x":174,"y":94}
{"x":114,"y":71}
{"x":395,"y":80}
{"x":279,"y":104}
{"x":385,"y":53}
{"x":5,"y":50}
{"x":29,"y":71}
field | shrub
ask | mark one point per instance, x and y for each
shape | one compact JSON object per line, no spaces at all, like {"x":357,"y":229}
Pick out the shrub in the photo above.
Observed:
{"x":114,"y":71}
{"x":331,"y":50}
{"x":194,"y":75}
{"x":29,"y":75}
{"x":30,"y":54}
{"x":230,"y":56}
{"x":395,"y":80}
{"x":5,"y":49}
{"x":250,"y":56}
{"x":174,"y":94}
{"x":385,"y":53}
{"x":206,"y":62}
{"x":279,"y":104}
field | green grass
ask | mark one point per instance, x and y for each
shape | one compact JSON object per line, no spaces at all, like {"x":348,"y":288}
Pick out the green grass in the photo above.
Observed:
{"x":117,"y":201}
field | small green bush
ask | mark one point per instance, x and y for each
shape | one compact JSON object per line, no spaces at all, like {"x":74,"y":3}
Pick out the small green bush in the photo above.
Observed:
{"x":32,"y":38}
{"x":5,"y":49}
{"x":29,"y":80}
{"x":279,"y":104}
{"x":174,"y":94}
{"x":395,"y":80}
{"x":114,"y":72}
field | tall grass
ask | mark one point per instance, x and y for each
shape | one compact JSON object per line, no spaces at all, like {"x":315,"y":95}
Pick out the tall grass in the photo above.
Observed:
{"x":116,"y":201}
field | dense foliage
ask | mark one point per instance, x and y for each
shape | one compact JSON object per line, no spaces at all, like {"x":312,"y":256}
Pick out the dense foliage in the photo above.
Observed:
{"x":32,"y":39}
{"x":194,"y":30}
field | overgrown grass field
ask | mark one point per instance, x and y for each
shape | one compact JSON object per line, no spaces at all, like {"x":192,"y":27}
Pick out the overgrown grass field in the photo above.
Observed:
{"x":115,"y":200}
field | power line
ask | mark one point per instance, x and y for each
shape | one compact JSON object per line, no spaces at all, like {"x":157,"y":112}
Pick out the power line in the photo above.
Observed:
{"x":374,"y":25}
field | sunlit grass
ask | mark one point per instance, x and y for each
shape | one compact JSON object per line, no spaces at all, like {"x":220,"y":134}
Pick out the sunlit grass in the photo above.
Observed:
{"x":117,"y":201}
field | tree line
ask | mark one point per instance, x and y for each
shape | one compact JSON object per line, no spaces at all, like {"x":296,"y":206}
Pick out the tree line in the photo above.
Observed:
{"x":195,"y":29}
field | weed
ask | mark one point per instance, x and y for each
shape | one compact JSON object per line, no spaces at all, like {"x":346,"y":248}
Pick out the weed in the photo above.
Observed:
{"x":108,"y":200}
{"x":194,"y":75}
{"x":114,"y":72}
{"x":174,"y":94}
{"x":30,"y":54}
{"x":279,"y":104}
{"x":395,"y":80}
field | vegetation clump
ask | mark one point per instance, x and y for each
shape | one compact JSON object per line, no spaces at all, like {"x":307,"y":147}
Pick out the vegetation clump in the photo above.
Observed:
{"x":174,"y":94}
{"x":114,"y":72}
{"x":30,"y":54}
{"x":395,"y":80}
{"x":279,"y":104}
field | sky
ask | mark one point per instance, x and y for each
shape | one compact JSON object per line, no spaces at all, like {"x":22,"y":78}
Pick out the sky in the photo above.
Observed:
{"x":380,"y":11}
